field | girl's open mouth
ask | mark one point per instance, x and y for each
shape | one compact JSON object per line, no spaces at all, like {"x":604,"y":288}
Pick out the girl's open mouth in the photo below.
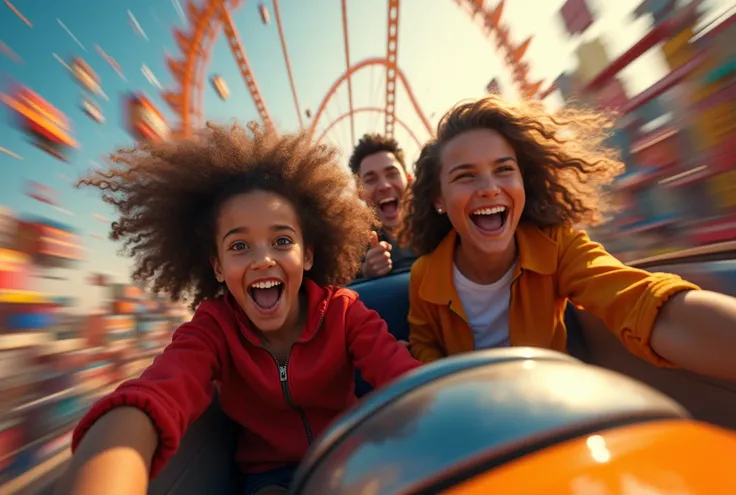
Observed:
{"x":490,"y":220}
{"x":266,"y":293}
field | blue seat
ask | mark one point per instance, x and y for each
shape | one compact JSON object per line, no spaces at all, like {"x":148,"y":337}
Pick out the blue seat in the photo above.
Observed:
{"x":389,"y":296}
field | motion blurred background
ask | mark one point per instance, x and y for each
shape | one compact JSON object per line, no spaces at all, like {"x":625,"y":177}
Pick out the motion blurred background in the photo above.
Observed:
{"x":80,"y":78}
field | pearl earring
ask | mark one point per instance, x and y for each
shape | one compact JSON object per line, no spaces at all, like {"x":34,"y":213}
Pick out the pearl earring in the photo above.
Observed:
{"x":439,"y":210}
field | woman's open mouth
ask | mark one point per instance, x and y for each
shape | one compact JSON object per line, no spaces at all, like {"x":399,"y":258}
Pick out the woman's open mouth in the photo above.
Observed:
{"x":490,"y":220}
{"x":266,"y":293}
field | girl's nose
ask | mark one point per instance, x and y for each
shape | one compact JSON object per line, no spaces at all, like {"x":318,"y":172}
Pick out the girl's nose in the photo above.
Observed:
{"x":263,"y":259}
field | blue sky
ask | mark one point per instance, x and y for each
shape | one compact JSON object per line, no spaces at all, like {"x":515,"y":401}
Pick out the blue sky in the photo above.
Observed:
{"x":444,"y":54}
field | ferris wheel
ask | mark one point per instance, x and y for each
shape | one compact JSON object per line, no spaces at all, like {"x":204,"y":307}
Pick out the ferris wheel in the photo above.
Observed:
{"x":208,"y":18}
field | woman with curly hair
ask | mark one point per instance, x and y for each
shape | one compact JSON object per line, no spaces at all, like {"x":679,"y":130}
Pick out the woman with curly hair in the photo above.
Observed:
{"x":260,"y":231}
{"x":493,"y":212}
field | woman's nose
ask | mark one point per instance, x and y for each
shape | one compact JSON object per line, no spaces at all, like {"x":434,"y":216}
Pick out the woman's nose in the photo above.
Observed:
{"x":488,"y":185}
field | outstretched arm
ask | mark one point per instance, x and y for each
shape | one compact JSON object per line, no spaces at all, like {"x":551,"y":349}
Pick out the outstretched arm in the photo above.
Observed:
{"x":697,"y":331}
{"x":375,"y":352}
{"x":114,"y":457}
{"x":129,"y":435}
{"x":658,"y":316}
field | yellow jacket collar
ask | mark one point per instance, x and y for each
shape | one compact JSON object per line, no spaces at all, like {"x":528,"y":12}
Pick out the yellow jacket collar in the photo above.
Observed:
{"x":537,"y":252}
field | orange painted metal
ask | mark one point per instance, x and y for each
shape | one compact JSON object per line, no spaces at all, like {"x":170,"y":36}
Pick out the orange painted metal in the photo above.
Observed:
{"x":658,"y":458}
{"x":356,"y":111}
{"x":189,"y":69}
{"x":392,"y":53}
{"x":352,"y":70}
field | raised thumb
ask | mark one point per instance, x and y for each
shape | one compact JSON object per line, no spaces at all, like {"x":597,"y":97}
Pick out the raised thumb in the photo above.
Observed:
{"x":374,"y":239}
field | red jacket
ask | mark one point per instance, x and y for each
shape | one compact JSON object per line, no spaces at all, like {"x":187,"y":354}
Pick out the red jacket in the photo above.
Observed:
{"x":281,"y":409}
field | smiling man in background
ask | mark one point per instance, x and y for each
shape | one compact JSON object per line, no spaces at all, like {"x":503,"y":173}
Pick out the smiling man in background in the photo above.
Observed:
{"x":378,"y":164}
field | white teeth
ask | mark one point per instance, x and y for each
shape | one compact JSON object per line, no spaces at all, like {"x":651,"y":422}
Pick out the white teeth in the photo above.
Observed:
{"x":266,"y":284}
{"x":489,"y":211}
{"x":387,"y":200}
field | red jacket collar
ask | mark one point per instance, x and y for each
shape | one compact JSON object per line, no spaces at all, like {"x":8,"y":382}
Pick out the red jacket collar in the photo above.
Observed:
{"x":317,"y":299}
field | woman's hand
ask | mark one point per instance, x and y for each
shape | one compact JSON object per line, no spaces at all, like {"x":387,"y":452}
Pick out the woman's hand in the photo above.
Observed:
{"x":696,"y":330}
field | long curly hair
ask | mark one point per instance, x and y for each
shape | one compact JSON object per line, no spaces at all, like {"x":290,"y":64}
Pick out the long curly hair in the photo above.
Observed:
{"x":564,"y":159}
{"x":168,"y":197}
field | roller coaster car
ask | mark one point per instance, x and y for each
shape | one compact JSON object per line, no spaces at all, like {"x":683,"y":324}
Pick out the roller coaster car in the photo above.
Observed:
{"x":517,"y":421}
{"x":508,"y":421}
{"x":511,"y":421}
{"x":45,"y":124}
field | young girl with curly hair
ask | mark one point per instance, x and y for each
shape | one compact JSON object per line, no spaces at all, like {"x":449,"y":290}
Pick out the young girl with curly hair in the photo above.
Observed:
{"x":493,"y":212}
{"x":260,"y":230}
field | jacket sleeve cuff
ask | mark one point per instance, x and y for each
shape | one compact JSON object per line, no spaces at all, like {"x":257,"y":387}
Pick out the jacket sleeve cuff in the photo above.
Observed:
{"x":165,"y":425}
{"x":638,"y":338}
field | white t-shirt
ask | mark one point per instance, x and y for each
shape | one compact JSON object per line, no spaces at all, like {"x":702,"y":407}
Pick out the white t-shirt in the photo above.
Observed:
{"x":487,"y":308}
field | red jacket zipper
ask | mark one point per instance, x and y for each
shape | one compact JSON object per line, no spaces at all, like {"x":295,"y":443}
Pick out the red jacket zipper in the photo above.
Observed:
{"x":284,"y":379}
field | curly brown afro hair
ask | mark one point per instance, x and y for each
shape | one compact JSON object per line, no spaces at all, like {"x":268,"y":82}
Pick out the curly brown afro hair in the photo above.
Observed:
{"x":564,"y":161}
{"x":374,"y":143}
{"x":168,"y":196}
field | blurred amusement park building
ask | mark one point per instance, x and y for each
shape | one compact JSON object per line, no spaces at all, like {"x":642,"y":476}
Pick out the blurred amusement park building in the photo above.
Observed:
{"x":677,"y":138}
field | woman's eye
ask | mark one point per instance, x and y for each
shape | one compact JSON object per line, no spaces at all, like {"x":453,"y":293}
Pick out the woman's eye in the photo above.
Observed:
{"x":238,"y":246}
{"x":283,"y":241}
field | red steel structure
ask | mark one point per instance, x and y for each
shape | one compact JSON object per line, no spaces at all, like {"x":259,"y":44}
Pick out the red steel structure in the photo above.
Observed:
{"x":207,"y":19}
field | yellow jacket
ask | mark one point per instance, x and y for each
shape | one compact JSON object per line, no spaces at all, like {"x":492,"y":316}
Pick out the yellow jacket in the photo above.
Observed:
{"x":554,"y":265}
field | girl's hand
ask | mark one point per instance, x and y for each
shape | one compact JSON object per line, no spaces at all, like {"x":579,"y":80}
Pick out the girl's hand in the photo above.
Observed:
{"x":114,"y":457}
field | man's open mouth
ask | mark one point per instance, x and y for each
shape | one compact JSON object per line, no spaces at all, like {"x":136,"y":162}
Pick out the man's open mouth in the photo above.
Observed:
{"x":389,"y":206}
{"x":266,"y":293}
{"x":490,"y":219}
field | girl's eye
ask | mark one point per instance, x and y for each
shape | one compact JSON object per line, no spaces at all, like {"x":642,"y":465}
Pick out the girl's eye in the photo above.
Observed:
{"x":238,"y":246}
{"x":283,"y":241}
